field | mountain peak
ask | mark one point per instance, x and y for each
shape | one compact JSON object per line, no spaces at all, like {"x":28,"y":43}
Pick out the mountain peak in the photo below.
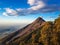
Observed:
{"x":39,"y":19}
{"x":38,"y":23}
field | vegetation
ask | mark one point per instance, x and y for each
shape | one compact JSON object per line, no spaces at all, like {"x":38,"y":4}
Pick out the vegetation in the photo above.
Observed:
{"x":48,"y":34}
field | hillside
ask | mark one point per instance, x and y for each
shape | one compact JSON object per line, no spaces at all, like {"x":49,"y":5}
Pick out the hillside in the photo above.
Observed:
{"x":38,"y":32}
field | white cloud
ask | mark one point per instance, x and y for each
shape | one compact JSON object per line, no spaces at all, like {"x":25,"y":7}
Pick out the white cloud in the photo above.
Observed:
{"x":13,"y":12}
{"x":19,"y":9}
{"x":37,"y":4}
{"x":10,"y":11}
{"x":5,"y":14}
{"x":31,"y":2}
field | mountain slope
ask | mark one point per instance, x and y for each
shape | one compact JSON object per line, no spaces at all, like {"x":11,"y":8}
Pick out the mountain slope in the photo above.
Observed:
{"x":39,"y":22}
{"x":37,"y":33}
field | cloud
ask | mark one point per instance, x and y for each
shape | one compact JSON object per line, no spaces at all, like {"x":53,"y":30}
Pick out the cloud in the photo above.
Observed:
{"x":13,"y":12}
{"x":5,"y":14}
{"x":31,"y":2}
{"x":19,"y":9}
{"x":10,"y":11}
{"x":36,"y":6}
{"x":50,"y":8}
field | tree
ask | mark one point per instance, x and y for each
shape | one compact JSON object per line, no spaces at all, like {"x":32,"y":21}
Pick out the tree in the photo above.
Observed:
{"x":56,"y":32}
{"x":46,"y":33}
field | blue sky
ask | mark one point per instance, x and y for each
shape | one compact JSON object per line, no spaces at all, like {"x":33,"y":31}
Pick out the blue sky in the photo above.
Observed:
{"x":25,"y":11}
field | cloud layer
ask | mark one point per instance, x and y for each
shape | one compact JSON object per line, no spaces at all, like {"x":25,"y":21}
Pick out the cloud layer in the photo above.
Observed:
{"x":36,"y":6}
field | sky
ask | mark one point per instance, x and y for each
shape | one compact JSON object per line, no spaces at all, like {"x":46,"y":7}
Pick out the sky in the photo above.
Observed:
{"x":26,"y":11}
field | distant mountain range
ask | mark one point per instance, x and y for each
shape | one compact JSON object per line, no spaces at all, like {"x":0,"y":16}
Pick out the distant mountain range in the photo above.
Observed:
{"x":39,"y":32}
